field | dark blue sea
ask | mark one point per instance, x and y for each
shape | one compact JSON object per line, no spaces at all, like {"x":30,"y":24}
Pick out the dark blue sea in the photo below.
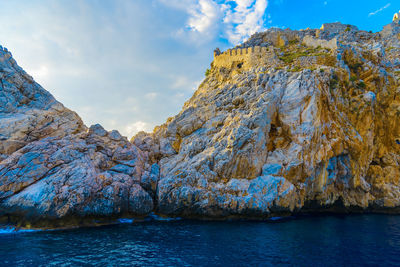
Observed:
{"x":356,"y":240}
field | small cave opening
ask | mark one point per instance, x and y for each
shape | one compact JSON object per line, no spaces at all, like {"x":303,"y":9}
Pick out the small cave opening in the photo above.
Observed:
{"x":273,"y":133}
{"x":374,"y":162}
{"x":315,"y":206}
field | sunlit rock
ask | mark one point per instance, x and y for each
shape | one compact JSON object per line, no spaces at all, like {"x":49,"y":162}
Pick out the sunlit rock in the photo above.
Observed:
{"x":289,"y":121}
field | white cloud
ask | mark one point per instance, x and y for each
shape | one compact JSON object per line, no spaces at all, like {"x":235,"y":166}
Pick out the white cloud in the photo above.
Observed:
{"x":204,"y":16}
{"x":234,"y":20}
{"x":379,"y":10}
{"x":98,"y":57}
{"x":246,"y":19}
{"x":133,"y":128}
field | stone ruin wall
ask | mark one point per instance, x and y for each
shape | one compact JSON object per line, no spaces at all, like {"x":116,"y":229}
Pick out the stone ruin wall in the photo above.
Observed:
{"x":315,"y":42}
{"x":251,"y":55}
{"x":226,"y":58}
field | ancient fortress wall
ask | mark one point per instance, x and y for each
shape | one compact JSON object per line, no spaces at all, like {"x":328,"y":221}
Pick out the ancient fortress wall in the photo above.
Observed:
{"x":250,"y":55}
{"x":315,"y":42}
{"x":239,"y":54}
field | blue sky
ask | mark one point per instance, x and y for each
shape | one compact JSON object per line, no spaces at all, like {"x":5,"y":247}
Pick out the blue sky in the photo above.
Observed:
{"x":129,"y":65}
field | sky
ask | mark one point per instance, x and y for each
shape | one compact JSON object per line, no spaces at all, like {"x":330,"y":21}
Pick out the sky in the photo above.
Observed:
{"x":131,"y":64}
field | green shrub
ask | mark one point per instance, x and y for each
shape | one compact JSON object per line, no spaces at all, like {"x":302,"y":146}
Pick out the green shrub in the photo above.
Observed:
{"x":334,"y":81}
{"x":295,"y":69}
{"x":355,"y":67}
{"x":289,"y":57}
{"x":361,"y":85}
{"x":207,"y":72}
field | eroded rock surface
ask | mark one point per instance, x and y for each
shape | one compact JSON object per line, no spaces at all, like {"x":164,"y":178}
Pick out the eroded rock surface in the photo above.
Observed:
{"x":27,"y":111}
{"x":83,"y":175}
{"x":312,"y":124}
{"x":308,"y":121}
{"x":53,"y":167}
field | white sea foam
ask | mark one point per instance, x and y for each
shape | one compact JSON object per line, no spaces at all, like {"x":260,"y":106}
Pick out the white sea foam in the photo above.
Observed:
{"x":13,"y":230}
{"x":156,"y":217}
{"x":125,"y":220}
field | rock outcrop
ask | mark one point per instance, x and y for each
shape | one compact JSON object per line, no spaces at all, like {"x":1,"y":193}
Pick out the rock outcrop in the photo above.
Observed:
{"x":310,"y":123}
{"x":53,"y":166}
{"x":27,"y":111}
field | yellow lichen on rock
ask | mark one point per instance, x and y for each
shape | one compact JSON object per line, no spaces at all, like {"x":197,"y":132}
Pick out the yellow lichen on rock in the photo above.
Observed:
{"x":296,"y":120}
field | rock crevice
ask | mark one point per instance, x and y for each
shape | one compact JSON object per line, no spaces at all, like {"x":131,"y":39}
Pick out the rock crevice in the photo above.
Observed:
{"x":309,"y":122}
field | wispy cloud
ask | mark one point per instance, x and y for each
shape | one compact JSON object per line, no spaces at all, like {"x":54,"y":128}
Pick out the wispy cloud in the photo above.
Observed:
{"x":246,"y":19}
{"x":116,"y":62}
{"x":113,"y":62}
{"x":379,"y":10}
{"x":234,"y":20}
{"x":204,"y":16}
{"x":136,"y":127}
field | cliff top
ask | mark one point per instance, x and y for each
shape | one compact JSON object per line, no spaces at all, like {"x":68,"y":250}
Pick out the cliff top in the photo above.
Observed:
{"x":295,"y":50}
{"x":343,"y":32}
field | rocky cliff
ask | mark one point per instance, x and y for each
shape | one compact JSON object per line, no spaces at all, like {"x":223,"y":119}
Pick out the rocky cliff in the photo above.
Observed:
{"x":311,"y":124}
{"x":53,"y":167}
{"x":308,"y":121}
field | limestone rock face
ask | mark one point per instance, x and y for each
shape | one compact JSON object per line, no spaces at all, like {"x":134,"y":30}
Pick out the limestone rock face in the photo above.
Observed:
{"x":52,"y":166}
{"x":308,"y":121}
{"x":27,"y":111}
{"x":301,"y":127}
{"x":82,"y":175}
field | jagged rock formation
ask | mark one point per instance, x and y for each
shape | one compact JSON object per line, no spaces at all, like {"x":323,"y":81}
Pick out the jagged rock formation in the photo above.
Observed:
{"x":310,"y":123}
{"x":27,"y":111}
{"x":289,"y":121}
{"x":54,"y":167}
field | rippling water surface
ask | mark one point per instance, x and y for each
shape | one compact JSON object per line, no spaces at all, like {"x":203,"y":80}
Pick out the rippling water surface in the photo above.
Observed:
{"x":308,"y":241}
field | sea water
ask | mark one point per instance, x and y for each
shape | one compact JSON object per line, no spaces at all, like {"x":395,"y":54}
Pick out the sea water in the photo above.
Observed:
{"x":352,"y":240}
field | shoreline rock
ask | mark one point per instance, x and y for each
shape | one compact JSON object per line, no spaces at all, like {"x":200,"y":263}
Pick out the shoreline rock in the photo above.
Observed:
{"x":310,"y":124}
